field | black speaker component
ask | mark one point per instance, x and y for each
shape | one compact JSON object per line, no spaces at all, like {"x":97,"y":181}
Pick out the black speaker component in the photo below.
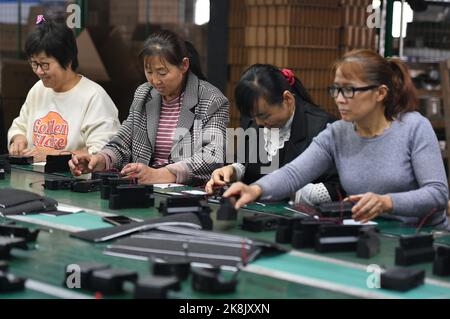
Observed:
{"x":336,"y":209}
{"x":4,"y":266}
{"x":57,"y":163}
{"x":338,"y":237}
{"x":155,"y":287}
{"x":368,"y":244}
{"x":211,"y":281}
{"x":284,"y":230}
{"x":305,"y":231}
{"x":414,"y":249}
{"x":86,"y":186}
{"x":109,"y":187}
{"x":20,"y":160}
{"x":259,"y":222}
{"x":226,"y":210}
{"x":132,"y":196}
{"x":4,"y":163}
{"x":7,"y":243}
{"x":441,"y":265}
{"x":110,"y":281}
{"x":86,"y":269}
{"x":188,"y":204}
{"x":10,"y":283}
{"x":57,"y":183}
{"x":19,"y":231}
{"x":105,"y":177}
{"x":178,"y":269}
{"x":402,"y":278}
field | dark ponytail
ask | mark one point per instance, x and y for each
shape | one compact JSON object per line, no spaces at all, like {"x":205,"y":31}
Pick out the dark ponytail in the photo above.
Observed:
{"x":194,"y":61}
{"x":404,"y":97}
{"x":269,"y":82}
{"x":173,"y":49}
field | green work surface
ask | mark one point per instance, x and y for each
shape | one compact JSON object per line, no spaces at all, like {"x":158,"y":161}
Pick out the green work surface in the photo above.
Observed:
{"x":82,"y":220}
{"x":54,"y":250}
{"x":343,"y":277}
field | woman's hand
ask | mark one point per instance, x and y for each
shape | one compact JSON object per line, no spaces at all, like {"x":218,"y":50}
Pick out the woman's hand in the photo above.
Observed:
{"x":244,"y":193}
{"x":148,"y":175}
{"x":86,"y":163}
{"x":369,"y":206}
{"x":18,"y":144}
{"x":39,"y":153}
{"x":221,"y":177}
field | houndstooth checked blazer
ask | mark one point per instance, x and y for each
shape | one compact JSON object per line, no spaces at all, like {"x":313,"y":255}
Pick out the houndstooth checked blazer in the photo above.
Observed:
{"x":200,"y":137}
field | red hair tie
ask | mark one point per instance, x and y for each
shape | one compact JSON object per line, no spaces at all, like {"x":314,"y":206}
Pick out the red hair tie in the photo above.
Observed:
{"x":289,"y":75}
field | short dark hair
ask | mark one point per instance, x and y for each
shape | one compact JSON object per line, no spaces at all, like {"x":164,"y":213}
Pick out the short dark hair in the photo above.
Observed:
{"x":56,"y":40}
{"x":173,"y":49}
{"x":266,"y":81}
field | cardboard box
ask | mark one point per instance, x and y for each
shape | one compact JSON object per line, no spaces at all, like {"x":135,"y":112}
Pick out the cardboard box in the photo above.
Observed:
{"x":16,"y":78}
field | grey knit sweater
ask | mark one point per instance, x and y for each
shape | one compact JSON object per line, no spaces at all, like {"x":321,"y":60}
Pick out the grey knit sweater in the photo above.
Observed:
{"x":405,"y":162}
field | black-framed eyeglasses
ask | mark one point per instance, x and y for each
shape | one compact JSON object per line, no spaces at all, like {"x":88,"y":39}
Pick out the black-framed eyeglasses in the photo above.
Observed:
{"x":348,"y":91}
{"x":44,"y":65}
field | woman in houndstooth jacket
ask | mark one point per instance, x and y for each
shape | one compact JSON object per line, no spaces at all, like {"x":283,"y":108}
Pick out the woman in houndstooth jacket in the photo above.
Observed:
{"x":176,"y":128}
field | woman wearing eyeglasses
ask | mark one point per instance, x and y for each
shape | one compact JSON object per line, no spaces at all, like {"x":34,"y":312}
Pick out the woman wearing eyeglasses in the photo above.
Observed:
{"x":63,"y":110}
{"x":387,"y":155}
{"x":272,"y":98}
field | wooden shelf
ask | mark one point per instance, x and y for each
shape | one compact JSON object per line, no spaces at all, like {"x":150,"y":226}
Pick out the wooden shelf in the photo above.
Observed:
{"x":438,"y":124}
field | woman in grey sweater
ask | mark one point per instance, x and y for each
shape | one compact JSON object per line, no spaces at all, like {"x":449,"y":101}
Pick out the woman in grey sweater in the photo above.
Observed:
{"x":386,"y":154}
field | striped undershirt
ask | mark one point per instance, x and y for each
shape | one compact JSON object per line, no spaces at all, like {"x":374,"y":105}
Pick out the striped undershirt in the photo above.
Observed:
{"x":168,"y":120}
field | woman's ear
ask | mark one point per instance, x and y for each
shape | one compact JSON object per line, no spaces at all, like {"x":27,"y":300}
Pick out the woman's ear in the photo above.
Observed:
{"x":185,"y":65}
{"x":288,"y":97}
{"x":383,"y":91}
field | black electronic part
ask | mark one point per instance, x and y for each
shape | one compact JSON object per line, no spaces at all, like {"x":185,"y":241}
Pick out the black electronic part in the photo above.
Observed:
{"x":284,"y":229}
{"x":179,"y":269}
{"x":2,"y":173}
{"x":304,"y":232}
{"x":414,"y":249}
{"x":7,"y":243}
{"x":110,"y":281}
{"x":4,"y":266}
{"x":118,"y":220}
{"x":155,"y":287}
{"x":338,"y":237}
{"x":188,"y":204}
{"x":211,"y":281}
{"x":58,"y":183}
{"x":20,"y":160}
{"x":86,"y":186}
{"x":441,"y":265}
{"x":109,"y":186}
{"x":368,"y":244}
{"x":4,"y":163}
{"x":19,"y":231}
{"x":10,"y":283}
{"x":57,"y":163}
{"x":85,"y":269}
{"x":259,"y":223}
{"x":402,"y":278}
{"x":105,"y":175}
{"x":105,"y":189}
{"x":226,"y":210}
{"x":336,"y":209}
{"x":132,"y":196}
